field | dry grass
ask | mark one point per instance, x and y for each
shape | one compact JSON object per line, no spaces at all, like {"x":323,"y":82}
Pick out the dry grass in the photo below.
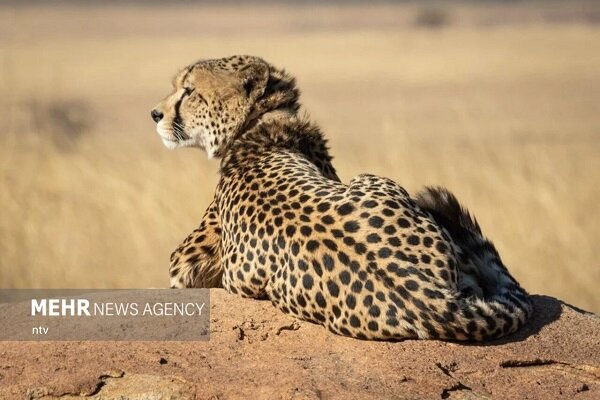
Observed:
{"x":507,"y":115}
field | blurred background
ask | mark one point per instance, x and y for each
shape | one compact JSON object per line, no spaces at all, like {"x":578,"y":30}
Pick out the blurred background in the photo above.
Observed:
{"x":497,"y":100}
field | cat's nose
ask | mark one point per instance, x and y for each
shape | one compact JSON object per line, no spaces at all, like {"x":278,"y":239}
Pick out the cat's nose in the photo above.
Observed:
{"x":156,"y":115}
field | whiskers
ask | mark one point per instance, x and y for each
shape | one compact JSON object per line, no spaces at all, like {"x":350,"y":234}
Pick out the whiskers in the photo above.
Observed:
{"x":179,"y":131}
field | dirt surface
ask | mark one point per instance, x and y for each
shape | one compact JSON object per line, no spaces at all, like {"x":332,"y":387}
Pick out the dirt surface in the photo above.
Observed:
{"x":257,"y":352}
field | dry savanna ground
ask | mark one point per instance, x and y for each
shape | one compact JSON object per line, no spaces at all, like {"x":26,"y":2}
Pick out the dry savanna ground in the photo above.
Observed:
{"x":500,"y":103}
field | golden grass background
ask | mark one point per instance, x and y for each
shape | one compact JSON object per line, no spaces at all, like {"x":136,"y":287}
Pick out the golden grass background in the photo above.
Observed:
{"x":500,"y":103}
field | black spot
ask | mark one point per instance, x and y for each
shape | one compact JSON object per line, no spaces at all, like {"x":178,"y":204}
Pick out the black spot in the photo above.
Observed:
{"x":427,"y":241}
{"x":468,"y":314}
{"x":351,"y":301}
{"x":319,"y":317}
{"x":281,"y":242}
{"x":343,"y":257}
{"x":397,"y":301}
{"x":345,"y":209}
{"x":403,"y":222}
{"x":336,"y":311}
{"x":290,"y":230}
{"x":351,"y":226}
{"x":328,"y":262}
{"x":413,"y":240}
{"x":320,"y":300}
{"x":333,"y":288}
{"x":302,"y":265}
{"x":390,"y":230}
{"x":360,"y":248}
{"x":307,"y":281}
{"x":403,"y":292}
{"x":337,"y":233}
{"x":200,"y":238}
{"x":356,"y":286}
{"x":392,"y":268}
{"x":411,"y":285}
{"x":327,"y":220}
{"x":323,"y":207}
{"x":301,"y":301}
{"x":354,"y":321}
{"x":394,"y":241}
{"x":370,"y":204}
{"x":453,"y":307}
{"x":376,"y":222}
{"x":317,"y":268}
{"x":373,"y":326}
{"x":373,"y":238}
{"x":491,"y":322}
{"x":295,"y":248}
{"x":345,"y":277}
{"x":471,"y":327}
{"x":312,"y":245}
{"x":331,"y":245}
{"x":448,"y":316}
{"x":420,"y":305}
{"x":400,"y":255}
{"x":431,"y":330}
{"x":374,"y":311}
{"x":305,"y":230}
{"x":392,"y":204}
{"x":433,"y":294}
{"x":384,"y":252}
{"x":348,"y":241}
{"x":441,"y":247}
{"x":444,"y":275}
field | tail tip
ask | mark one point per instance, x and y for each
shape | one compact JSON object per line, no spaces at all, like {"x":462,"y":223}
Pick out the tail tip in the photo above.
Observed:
{"x":443,"y":204}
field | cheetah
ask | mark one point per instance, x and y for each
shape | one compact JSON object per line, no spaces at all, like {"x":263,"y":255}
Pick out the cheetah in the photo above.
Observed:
{"x":363,"y":259}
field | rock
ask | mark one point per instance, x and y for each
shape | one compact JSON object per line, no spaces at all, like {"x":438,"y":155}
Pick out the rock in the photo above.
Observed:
{"x":257,"y":352}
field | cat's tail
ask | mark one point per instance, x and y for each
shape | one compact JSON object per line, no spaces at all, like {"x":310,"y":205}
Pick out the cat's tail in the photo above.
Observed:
{"x":490,"y":302}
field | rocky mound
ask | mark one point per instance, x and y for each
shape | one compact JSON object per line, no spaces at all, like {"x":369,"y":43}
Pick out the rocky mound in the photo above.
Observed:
{"x":257,"y":352}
